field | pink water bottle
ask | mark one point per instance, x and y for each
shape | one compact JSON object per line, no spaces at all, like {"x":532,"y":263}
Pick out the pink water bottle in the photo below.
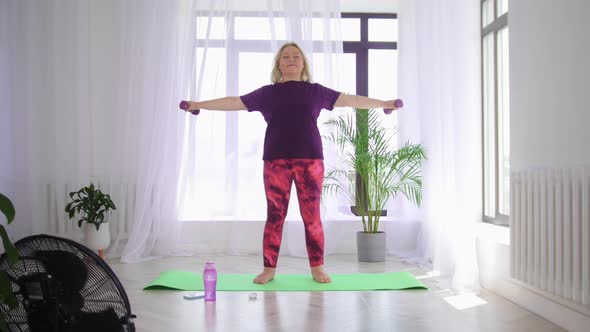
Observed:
{"x":210,"y":281}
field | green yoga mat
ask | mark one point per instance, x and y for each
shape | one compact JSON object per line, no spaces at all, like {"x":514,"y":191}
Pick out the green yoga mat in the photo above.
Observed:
{"x":190,"y":281}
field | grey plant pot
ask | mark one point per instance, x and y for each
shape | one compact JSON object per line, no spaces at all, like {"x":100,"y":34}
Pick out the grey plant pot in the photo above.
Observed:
{"x":371,"y":246}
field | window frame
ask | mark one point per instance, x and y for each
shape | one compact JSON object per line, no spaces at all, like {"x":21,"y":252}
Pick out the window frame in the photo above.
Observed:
{"x":493,"y":28}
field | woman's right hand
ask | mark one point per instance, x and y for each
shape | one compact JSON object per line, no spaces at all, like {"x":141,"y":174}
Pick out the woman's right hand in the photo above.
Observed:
{"x":188,"y":106}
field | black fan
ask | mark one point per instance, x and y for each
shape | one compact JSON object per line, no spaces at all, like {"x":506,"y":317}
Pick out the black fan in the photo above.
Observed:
{"x":63,"y":286}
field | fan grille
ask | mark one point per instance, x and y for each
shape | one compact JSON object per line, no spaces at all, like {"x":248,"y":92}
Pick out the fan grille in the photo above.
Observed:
{"x":99,"y":292}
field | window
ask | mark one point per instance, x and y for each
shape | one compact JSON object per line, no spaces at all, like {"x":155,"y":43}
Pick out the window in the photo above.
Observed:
{"x":232,"y":142}
{"x":496,"y":112}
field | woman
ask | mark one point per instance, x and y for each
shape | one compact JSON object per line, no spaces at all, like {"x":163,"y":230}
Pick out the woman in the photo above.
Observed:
{"x":292,"y":149}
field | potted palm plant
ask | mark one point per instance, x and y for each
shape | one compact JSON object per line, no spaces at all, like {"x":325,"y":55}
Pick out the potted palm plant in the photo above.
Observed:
{"x":91,"y":205}
{"x":381,"y":173}
{"x":7,"y":296}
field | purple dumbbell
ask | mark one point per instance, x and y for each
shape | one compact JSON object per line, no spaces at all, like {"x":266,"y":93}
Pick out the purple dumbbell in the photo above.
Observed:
{"x":398,"y":103}
{"x":184,"y":105}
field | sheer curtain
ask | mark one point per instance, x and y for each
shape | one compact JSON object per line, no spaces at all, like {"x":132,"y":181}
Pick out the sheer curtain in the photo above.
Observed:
{"x":440,"y":83}
{"x":222,"y":194}
{"x":90,"y":93}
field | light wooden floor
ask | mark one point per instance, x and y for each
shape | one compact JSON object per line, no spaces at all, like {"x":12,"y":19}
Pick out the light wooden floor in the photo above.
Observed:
{"x":411,"y":310}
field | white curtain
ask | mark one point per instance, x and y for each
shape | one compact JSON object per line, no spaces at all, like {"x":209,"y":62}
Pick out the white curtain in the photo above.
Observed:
{"x":90,"y":93}
{"x":90,"y":90}
{"x":440,"y":83}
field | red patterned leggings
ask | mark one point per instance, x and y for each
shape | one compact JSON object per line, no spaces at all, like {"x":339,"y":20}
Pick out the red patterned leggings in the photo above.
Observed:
{"x":308,"y":175}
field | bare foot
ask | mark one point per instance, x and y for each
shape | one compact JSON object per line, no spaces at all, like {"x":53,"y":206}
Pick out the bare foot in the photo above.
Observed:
{"x":319,"y":275}
{"x":267,"y":275}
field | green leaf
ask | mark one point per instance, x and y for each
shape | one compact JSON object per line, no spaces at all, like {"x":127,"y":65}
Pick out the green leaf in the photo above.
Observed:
{"x":69,"y":207}
{"x":8,"y":247}
{"x":7,"y":208}
{"x":3,"y":326}
{"x":6,"y":295}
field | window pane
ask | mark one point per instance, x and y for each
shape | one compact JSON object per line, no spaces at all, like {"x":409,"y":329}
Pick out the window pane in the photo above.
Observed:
{"x":205,"y":196}
{"x":258,"y":28}
{"x":489,"y":127}
{"x":351,"y":29}
{"x":254,"y":72}
{"x":487,"y":13}
{"x":345,"y":80}
{"x":502,"y":7}
{"x":217,"y":29}
{"x":341,"y":71}
{"x":503,"y":124}
{"x":348,"y":79}
{"x":383,"y":84}
{"x":382,"y":29}
{"x":382,"y":74}
{"x":210,"y":82}
{"x":318,"y":27}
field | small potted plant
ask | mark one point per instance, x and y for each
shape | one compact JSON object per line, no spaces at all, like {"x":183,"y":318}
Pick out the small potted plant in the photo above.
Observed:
{"x":91,"y":205}
{"x":381,"y":173}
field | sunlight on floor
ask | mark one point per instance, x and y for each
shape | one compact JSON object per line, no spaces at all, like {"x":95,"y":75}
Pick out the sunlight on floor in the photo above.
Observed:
{"x":465,"y":301}
{"x":430,"y":274}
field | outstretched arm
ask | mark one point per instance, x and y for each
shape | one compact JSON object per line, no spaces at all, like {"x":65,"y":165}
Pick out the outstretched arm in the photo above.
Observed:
{"x":221,"y":104}
{"x":363,"y":102}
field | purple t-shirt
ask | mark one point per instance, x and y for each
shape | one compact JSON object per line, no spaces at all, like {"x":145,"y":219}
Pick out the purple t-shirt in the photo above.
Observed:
{"x":291,"y":110}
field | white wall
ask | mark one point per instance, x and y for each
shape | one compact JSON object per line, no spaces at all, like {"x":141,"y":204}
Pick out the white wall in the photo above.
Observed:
{"x":550,"y":112}
{"x":549,"y":83}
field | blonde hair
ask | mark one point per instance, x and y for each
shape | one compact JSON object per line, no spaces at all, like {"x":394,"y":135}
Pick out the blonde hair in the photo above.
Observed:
{"x":275,"y":75}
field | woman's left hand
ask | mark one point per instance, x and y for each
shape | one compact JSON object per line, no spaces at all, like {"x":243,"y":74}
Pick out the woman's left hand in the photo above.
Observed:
{"x":390,"y":105}
{"x":396,"y":103}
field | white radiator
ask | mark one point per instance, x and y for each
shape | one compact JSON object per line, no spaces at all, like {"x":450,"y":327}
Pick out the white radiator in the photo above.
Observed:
{"x":550,"y":232}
